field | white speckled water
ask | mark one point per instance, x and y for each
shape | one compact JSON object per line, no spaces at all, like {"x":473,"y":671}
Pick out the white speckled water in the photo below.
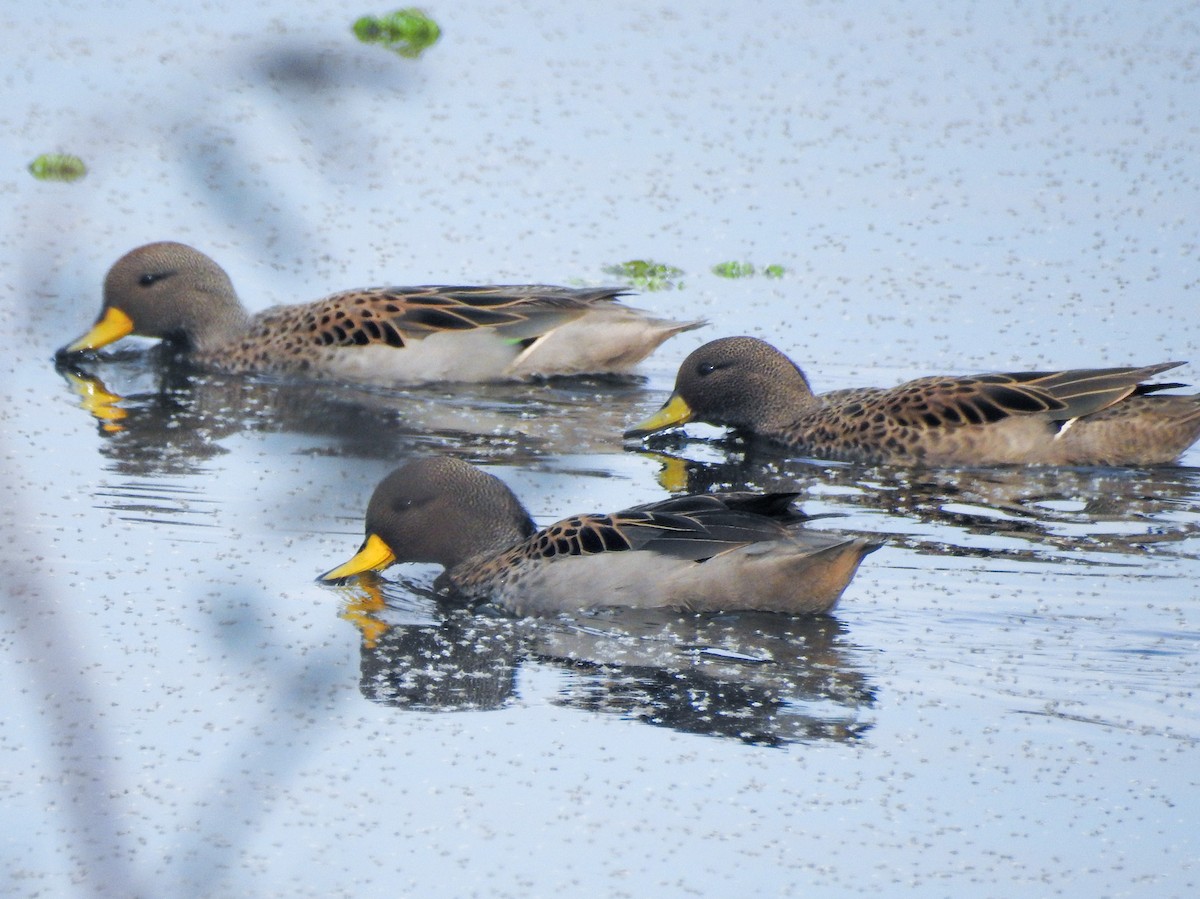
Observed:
{"x":1005,"y":702}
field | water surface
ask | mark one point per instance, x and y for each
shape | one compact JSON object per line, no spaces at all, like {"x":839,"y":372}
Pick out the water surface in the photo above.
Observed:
{"x":1004,"y":702}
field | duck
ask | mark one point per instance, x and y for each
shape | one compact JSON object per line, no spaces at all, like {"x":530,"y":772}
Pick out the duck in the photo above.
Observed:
{"x":718,"y":552}
{"x":1078,"y":417}
{"x":378,"y":335}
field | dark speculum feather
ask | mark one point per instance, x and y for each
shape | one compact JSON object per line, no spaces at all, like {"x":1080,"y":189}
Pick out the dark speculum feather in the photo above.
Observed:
{"x":590,"y":541}
{"x":477,"y":297}
{"x":774,"y":505}
{"x":458,"y":318}
{"x":1021,"y":377}
{"x":1022,"y":400}
{"x":990,"y":411}
{"x":970,"y":413}
{"x":439,"y":319}
{"x":1143,"y":389}
{"x":613,"y":539}
{"x":391,"y":336}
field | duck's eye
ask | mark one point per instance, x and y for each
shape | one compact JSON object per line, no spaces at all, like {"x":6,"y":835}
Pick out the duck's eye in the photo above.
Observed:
{"x":402,"y":504}
{"x":706,"y":368}
{"x":152,"y":278}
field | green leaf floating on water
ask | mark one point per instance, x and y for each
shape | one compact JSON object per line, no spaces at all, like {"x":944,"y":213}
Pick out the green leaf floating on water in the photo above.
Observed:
{"x":57,"y":167}
{"x":774,"y":271}
{"x":646,"y":275}
{"x":405,"y":31}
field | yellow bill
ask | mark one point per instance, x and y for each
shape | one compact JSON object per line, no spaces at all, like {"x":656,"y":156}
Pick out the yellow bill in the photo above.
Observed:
{"x":112,"y":326}
{"x":673,"y":413}
{"x":373,"y":555}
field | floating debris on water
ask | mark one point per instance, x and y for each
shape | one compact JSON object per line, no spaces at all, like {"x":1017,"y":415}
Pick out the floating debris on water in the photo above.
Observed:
{"x":57,"y":167}
{"x":734,"y":269}
{"x":647,"y":275}
{"x":746,"y":270}
{"x":407,"y":32}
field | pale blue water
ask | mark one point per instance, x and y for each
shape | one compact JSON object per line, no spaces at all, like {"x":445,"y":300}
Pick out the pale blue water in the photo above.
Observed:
{"x":1004,"y":703}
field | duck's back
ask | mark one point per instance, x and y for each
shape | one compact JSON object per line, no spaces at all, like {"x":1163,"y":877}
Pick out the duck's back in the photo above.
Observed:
{"x":429,"y":334}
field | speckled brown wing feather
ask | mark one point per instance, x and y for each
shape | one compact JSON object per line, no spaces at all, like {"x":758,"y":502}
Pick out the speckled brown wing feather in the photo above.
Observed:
{"x":985,"y":399}
{"x":687,"y":527}
{"x":396,"y":316}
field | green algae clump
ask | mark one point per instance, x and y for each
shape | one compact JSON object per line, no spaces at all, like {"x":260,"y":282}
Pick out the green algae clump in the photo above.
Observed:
{"x":407,"y":32}
{"x":734,"y":269}
{"x":647,"y":275}
{"x":746,"y":270}
{"x":57,"y":167}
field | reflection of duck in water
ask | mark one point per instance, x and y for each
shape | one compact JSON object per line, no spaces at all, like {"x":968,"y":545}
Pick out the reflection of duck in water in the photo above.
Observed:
{"x":101,"y":403}
{"x":438,"y":660}
{"x":717,"y":552}
{"x":1107,"y":513}
{"x":167,"y":426}
{"x":169,"y":417}
{"x":382,"y":335}
{"x":1083,"y":417}
{"x":758,"y":678}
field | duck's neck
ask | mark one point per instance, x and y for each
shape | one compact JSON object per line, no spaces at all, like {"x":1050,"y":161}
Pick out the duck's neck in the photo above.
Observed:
{"x":781,"y":400}
{"x":218,"y":326}
{"x":482,"y":540}
{"x":477,"y":577}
